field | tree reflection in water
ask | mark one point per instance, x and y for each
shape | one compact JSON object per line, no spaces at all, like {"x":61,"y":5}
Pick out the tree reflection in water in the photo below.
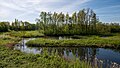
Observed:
{"x":71,"y":53}
{"x":83,"y":53}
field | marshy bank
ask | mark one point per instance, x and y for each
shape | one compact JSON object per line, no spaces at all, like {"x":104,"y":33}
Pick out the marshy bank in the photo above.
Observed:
{"x":10,"y":58}
{"x":6,"y":40}
{"x":13,"y":58}
{"x":67,"y":50}
{"x":13,"y":37}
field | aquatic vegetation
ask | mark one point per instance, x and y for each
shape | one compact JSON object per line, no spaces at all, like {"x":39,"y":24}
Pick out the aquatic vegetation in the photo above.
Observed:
{"x":14,"y":58}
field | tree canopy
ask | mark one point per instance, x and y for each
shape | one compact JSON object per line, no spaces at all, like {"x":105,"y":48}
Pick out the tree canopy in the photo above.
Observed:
{"x":84,"y":22}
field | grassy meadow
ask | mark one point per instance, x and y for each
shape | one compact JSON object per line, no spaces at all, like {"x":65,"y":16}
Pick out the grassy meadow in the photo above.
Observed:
{"x":26,"y":34}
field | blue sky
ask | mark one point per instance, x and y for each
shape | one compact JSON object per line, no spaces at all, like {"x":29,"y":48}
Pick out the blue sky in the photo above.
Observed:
{"x":29,"y":10}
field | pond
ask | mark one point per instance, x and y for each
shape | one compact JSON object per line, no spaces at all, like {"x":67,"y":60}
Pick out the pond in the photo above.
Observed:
{"x":106,"y":58}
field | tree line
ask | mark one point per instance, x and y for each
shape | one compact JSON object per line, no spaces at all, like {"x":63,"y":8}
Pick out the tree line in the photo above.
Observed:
{"x":16,"y":26}
{"x":84,"y":22}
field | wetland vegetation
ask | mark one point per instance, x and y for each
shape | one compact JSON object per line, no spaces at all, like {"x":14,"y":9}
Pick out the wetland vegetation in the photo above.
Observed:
{"x":82,"y":28}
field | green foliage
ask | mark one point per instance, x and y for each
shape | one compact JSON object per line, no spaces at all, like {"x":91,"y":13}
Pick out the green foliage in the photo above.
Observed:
{"x":4,"y":26}
{"x":84,"y":22}
{"x":16,"y":26}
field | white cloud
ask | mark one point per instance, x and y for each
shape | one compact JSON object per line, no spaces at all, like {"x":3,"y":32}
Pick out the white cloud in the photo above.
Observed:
{"x":4,"y":13}
{"x":44,"y":5}
{"x":70,"y":7}
{"x":10,"y":5}
{"x":109,"y":7}
{"x":20,"y":8}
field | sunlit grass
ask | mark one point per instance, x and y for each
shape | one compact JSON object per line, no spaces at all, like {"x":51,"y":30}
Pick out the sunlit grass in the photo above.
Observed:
{"x":25,"y":34}
{"x":6,"y":39}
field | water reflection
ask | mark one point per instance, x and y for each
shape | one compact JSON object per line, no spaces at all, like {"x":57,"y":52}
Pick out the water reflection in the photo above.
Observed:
{"x":60,"y":37}
{"x":106,"y":58}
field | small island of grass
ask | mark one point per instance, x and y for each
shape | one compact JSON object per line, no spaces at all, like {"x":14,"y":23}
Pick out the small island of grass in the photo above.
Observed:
{"x":93,"y":41}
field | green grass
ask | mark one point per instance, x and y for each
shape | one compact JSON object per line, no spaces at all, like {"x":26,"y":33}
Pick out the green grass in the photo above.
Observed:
{"x":25,"y":34}
{"x":6,"y":39}
{"x":93,"y":41}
